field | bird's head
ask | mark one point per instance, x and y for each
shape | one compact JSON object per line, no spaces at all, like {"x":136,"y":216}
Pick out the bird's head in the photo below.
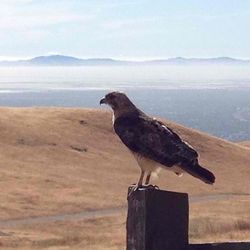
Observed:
{"x":118,"y":101}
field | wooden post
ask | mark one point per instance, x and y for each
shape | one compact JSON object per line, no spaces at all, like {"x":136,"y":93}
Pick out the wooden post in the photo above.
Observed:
{"x":157,"y":220}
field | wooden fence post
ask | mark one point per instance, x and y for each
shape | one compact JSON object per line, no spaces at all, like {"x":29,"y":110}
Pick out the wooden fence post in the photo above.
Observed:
{"x":157,"y":220}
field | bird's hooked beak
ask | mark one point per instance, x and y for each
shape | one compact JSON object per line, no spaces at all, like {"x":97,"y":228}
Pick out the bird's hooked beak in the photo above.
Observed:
{"x":103,"y":101}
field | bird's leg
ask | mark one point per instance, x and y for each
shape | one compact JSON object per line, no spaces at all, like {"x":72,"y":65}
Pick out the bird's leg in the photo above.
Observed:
{"x":139,"y":184}
{"x":150,"y":186}
{"x":147,"y":179}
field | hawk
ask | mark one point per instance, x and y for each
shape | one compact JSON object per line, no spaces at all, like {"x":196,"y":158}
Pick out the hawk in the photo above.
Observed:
{"x":153,"y":144}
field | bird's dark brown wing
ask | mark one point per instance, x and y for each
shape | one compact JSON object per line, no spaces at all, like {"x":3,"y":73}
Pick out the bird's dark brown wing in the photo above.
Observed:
{"x":153,"y":140}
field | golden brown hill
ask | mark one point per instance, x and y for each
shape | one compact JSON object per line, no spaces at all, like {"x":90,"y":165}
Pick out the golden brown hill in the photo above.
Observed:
{"x":244,"y":143}
{"x":57,"y":160}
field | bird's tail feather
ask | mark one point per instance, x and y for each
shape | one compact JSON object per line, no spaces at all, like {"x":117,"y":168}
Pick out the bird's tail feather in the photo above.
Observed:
{"x":199,"y":172}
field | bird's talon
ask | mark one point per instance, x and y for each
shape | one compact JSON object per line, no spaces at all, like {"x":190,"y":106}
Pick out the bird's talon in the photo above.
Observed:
{"x":134,"y":187}
{"x":150,"y":186}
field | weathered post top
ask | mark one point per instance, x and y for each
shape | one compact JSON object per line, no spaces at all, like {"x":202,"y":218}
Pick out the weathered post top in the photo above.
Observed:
{"x":157,"y":220}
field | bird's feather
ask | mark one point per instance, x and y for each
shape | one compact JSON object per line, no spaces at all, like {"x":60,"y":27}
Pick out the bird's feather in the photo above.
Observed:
{"x":152,"y":139}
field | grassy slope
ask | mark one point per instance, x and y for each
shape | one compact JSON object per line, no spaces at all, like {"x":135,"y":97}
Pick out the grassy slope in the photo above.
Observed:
{"x":244,"y":143}
{"x":64,"y":160}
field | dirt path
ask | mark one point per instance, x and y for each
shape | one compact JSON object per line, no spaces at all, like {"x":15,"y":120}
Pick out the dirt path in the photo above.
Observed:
{"x":97,"y":213}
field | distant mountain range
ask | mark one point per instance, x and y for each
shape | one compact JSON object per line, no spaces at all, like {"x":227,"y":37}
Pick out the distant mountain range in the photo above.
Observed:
{"x":62,"y":60}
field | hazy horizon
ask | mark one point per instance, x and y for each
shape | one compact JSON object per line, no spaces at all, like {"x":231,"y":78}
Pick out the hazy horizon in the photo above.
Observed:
{"x":164,"y":76}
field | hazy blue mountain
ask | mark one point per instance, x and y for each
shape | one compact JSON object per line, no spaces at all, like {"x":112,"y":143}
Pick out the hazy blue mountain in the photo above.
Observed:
{"x":55,"y":60}
{"x":71,"y":61}
{"x":183,"y":61}
{"x":62,"y":60}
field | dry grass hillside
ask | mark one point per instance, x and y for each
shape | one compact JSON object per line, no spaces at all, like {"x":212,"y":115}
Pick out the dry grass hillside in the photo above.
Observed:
{"x":245,"y":143}
{"x":58,"y":160}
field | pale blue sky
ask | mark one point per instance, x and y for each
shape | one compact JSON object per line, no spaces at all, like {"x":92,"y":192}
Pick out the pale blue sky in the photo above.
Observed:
{"x":127,"y":29}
